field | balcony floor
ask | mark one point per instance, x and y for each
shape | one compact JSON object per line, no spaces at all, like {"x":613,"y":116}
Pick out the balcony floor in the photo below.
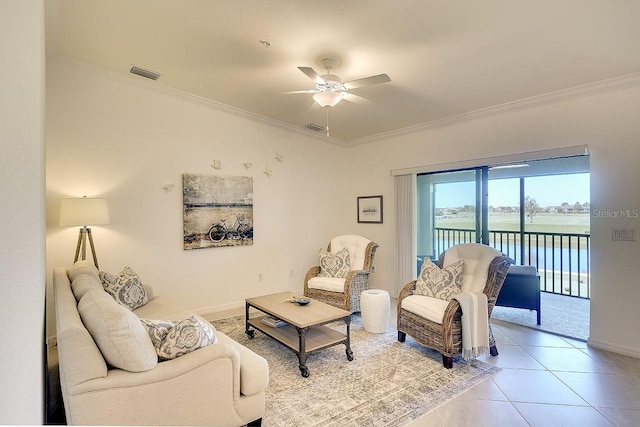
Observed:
{"x":563,"y":315}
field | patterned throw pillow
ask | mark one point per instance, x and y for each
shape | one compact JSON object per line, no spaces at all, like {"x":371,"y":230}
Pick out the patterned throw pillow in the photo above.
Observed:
{"x":440,"y":283}
{"x":158,"y":330}
{"x":334,"y":265}
{"x":126,"y":288}
{"x":173,"y":339}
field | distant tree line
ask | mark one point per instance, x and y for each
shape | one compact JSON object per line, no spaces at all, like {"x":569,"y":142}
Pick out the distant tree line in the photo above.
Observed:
{"x":531,"y":209}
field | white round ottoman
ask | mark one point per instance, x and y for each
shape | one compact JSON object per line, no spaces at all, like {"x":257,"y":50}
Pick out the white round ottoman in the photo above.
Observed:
{"x":374,"y":307}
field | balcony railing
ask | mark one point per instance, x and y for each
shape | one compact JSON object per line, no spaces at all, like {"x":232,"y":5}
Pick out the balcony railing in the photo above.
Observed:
{"x":562,"y":259}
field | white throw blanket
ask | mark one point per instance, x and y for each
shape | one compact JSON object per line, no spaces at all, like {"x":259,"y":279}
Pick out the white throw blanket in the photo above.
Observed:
{"x":475,"y":324}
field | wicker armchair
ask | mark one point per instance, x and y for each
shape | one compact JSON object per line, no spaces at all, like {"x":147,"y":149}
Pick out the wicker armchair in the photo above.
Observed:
{"x":484,"y":271}
{"x":343,"y":293}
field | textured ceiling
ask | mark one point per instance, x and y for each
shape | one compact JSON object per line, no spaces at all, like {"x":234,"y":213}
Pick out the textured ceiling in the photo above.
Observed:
{"x":445,"y":58}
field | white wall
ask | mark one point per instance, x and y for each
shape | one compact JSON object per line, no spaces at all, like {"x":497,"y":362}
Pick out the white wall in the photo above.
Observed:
{"x":22,"y":274}
{"x":607,"y":123}
{"x":123,"y":138}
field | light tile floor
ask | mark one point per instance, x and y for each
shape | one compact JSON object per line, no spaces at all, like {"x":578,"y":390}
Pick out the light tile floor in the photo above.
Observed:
{"x":546,"y":380}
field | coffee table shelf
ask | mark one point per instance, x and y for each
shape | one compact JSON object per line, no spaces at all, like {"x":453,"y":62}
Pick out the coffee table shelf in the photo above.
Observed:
{"x":317,"y":338}
{"x":305,"y":330}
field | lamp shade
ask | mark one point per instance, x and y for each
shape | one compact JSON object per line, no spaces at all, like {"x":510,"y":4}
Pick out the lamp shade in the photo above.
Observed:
{"x":83,"y":211}
{"x":328,"y":99}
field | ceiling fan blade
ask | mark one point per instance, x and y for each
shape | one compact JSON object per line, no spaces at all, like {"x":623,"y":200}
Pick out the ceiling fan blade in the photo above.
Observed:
{"x":309,"y":72}
{"x":291,"y":92}
{"x":357,"y":99}
{"x":367,"y":81}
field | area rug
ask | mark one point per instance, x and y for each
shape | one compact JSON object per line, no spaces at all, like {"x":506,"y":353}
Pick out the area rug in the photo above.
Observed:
{"x":387,"y":384}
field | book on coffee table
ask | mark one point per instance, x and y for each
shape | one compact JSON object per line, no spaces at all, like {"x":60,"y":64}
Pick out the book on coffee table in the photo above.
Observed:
{"x":273,"y":321}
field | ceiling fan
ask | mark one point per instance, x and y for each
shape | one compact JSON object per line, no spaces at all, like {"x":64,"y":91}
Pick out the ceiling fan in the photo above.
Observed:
{"x":329,"y":88}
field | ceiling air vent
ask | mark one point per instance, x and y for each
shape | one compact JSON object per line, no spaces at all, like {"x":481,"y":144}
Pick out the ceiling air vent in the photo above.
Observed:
{"x":144,"y":73}
{"x":314,"y":127}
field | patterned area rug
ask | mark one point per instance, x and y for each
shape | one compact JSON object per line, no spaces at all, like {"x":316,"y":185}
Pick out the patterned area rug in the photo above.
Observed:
{"x":387,"y":384}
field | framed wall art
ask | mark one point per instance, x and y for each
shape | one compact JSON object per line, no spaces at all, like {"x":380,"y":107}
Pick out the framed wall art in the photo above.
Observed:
{"x":218,"y":211}
{"x":370,"y":209}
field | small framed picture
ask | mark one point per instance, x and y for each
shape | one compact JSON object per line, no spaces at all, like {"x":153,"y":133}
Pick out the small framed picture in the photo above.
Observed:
{"x":370,"y":209}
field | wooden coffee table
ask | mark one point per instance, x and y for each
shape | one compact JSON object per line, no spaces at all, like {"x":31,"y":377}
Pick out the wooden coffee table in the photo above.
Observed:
{"x":304,"y":331}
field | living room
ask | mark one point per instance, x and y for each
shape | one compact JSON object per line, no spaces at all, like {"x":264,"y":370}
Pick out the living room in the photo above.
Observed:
{"x":142,"y":138}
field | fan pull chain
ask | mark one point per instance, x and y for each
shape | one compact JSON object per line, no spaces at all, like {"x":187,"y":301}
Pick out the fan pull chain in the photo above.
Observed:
{"x":327,"y":121}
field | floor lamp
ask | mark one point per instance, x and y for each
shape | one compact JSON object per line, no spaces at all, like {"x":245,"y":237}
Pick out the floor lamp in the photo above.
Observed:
{"x":84,"y":212}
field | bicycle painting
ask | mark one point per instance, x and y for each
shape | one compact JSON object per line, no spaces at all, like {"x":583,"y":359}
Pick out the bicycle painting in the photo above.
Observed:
{"x":219,"y":232}
{"x":218,"y":211}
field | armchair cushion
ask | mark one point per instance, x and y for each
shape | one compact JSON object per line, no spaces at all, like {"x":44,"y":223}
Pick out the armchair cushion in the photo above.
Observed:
{"x":331,"y":284}
{"x":477,"y":259}
{"x":357,"y":247}
{"x":440,"y":283}
{"x":334,"y":264}
{"x":426,"y":307}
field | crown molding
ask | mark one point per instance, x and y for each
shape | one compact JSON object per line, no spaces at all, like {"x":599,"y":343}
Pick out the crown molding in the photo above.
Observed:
{"x":189,"y":97}
{"x":590,"y":89}
{"x":627,"y":81}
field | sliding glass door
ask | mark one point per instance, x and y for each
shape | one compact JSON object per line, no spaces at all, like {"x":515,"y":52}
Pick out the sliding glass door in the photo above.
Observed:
{"x":450,"y":210}
{"x":536,"y":212}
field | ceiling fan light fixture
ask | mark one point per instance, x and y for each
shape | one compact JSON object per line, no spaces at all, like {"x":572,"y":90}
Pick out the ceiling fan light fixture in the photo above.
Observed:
{"x":328,"y":99}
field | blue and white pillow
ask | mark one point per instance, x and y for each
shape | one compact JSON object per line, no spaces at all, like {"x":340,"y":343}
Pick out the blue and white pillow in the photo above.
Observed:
{"x":440,"y":283}
{"x":334,"y":265}
{"x":126,"y":288}
{"x":173,"y":339}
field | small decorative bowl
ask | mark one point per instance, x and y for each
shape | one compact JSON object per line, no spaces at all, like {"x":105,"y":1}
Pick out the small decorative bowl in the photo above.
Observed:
{"x":301,"y":300}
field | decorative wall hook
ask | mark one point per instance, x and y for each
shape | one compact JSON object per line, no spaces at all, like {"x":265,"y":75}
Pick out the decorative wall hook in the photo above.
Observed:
{"x":216,"y":164}
{"x":247,"y":165}
{"x":278,"y":156}
{"x":168,"y":187}
{"x":267,"y":170}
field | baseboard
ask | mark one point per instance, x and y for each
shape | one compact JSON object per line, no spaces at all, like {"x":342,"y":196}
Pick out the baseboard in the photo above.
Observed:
{"x":225,"y":310}
{"x":221,"y":311}
{"x":614,"y":348}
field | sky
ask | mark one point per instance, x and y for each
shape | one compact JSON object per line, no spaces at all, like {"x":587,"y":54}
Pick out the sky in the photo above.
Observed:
{"x":550,"y":190}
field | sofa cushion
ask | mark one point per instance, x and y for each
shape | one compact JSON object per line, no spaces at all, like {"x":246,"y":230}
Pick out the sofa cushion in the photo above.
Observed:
{"x":439,"y":283}
{"x":126,"y":288}
{"x":162,"y":307}
{"x":120,"y":336}
{"x":83,"y":267}
{"x":334,"y":264}
{"x":526,"y":270}
{"x":254,"y":369}
{"x":83,"y":283}
{"x":426,"y":307}
{"x":173,"y":339}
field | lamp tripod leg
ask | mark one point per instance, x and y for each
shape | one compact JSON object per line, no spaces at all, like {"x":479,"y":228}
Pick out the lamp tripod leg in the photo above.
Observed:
{"x":80,"y":241}
{"x":93,"y":249}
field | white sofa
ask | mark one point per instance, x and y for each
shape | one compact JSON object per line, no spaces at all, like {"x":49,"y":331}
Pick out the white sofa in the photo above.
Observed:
{"x":222,"y":384}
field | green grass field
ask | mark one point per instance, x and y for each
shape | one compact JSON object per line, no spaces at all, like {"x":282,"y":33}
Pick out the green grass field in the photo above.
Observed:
{"x":543,"y":222}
